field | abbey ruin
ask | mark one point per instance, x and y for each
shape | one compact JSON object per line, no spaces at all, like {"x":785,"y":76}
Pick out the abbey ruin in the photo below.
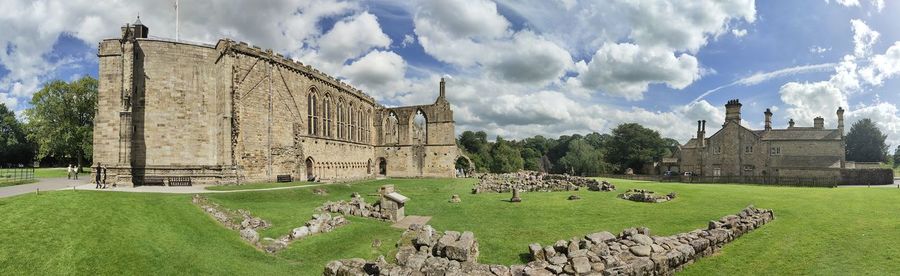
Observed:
{"x":233,"y":113}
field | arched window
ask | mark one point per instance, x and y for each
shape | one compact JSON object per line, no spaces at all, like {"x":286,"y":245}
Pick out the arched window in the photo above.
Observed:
{"x":340,"y":119}
{"x":352,"y":123}
{"x":312,"y":116}
{"x":420,"y":128}
{"x":326,"y":127}
{"x":391,"y":131}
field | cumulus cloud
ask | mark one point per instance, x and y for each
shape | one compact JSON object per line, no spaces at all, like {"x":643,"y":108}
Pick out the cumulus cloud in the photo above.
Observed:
{"x":739,"y":32}
{"x":811,"y":99}
{"x":351,"y":37}
{"x":379,"y":73}
{"x":863,"y":38}
{"x":627,"y":69}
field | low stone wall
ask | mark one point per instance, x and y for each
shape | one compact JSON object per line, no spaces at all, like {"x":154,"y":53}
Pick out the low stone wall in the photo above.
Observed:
{"x":633,"y":252}
{"x":531,"y":181}
{"x":248,"y":225}
{"x":640,"y":195}
{"x":867,"y":176}
{"x":357,"y":206}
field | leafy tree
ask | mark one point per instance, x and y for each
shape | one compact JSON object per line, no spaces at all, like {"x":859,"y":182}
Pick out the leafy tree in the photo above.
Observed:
{"x":865,"y":142}
{"x":14,"y":145}
{"x":506,"y":158}
{"x":61,"y":120}
{"x":633,"y":145}
{"x":583,"y":159}
{"x":897,"y":157}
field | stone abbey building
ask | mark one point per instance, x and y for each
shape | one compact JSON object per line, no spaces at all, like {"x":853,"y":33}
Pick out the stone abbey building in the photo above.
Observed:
{"x":736,"y":150}
{"x":232,"y":113}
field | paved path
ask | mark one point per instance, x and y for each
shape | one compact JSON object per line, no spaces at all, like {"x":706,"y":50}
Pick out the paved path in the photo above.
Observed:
{"x":195,"y":189}
{"x":410,"y":220}
{"x":44,"y":184}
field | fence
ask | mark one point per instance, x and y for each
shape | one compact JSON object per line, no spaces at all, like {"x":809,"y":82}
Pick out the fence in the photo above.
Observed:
{"x":828,"y":182}
{"x":16,"y":174}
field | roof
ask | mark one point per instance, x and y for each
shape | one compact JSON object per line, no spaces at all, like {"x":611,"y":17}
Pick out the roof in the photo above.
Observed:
{"x":802,"y":134}
{"x":397,"y":197}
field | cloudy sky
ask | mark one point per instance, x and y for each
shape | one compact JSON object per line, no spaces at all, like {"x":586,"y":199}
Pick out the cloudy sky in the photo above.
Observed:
{"x":518,"y":68}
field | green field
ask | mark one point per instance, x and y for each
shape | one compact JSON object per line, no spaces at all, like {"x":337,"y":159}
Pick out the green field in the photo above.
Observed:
{"x":59,"y":172}
{"x":817,"y":231}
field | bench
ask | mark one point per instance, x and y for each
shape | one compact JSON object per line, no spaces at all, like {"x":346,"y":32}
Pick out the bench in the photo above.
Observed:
{"x":284,"y":178}
{"x":180,"y":181}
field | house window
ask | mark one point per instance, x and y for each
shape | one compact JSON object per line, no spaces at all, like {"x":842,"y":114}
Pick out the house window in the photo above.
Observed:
{"x":775,"y":151}
{"x":717,"y":171}
{"x":748,"y":149}
{"x":717,"y":150}
{"x":748,"y":168}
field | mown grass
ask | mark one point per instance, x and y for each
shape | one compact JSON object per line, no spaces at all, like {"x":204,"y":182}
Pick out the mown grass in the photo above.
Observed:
{"x":257,"y":186}
{"x":59,"y":172}
{"x":817,"y":230}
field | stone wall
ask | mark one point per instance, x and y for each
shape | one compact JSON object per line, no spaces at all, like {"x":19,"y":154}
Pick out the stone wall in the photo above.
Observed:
{"x":641,"y":195}
{"x":357,"y":206}
{"x":867,"y":176}
{"x":531,"y":181}
{"x":633,"y":252}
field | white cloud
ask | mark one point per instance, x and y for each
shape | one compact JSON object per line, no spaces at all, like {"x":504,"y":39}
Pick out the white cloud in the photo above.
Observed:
{"x":877,"y":4}
{"x":863,"y":38}
{"x":627,"y":69}
{"x":885,"y":115}
{"x":739,"y":32}
{"x":408,"y":40}
{"x":529,"y":58}
{"x":819,"y":50}
{"x":351,"y":37}
{"x":808,"y":100}
{"x":379,"y":73}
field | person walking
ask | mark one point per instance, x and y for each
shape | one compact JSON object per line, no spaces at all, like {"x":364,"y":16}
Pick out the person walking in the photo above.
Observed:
{"x":104,"y":178}
{"x":77,"y":170}
{"x":97,"y":177}
{"x":69,"y":172}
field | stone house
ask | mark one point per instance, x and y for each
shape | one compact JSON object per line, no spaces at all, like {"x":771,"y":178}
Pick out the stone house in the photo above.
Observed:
{"x":234,"y":113}
{"x":735,"y":150}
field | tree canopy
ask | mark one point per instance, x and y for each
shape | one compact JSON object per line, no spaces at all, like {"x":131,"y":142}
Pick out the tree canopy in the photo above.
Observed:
{"x":865,"y":142}
{"x":14,"y":145}
{"x":61,"y":119}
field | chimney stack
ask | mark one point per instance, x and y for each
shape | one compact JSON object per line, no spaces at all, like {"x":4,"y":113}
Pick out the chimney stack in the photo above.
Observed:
{"x":819,"y":123}
{"x":791,"y":123}
{"x":701,"y":133}
{"x":768,"y":114}
{"x":733,"y":111}
{"x":840,"y":115}
{"x":442,"y":88}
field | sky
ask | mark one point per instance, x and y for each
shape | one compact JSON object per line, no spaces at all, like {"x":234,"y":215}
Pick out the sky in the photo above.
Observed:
{"x":519,"y":68}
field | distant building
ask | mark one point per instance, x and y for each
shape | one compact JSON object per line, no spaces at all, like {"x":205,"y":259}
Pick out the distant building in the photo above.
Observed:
{"x":736,"y":150}
{"x":231,"y":112}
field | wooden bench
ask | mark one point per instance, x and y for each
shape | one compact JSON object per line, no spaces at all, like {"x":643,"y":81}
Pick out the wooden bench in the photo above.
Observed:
{"x":180,"y":181}
{"x":284,"y":178}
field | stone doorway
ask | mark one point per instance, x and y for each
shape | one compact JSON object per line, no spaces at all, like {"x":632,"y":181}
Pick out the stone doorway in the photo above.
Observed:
{"x":382,"y":166}
{"x":310,"y":166}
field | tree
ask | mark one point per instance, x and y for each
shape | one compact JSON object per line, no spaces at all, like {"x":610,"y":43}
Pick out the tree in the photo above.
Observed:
{"x":633,"y":145}
{"x":14,"y":145}
{"x":61,"y":120}
{"x":584,"y":160}
{"x":897,"y":157}
{"x":506,"y":158}
{"x":865,"y":142}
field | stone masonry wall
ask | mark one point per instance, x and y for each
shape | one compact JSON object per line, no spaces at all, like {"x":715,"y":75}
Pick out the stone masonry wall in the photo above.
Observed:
{"x":633,"y":252}
{"x":531,"y":181}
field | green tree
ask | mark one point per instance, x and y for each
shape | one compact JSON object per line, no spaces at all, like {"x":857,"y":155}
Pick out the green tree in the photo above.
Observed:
{"x":897,"y":157}
{"x":61,"y":119}
{"x":506,"y":158}
{"x":865,"y":142}
{"x":14,"y":145}
{"x":584,"y":160}
{"x":633,"y":145}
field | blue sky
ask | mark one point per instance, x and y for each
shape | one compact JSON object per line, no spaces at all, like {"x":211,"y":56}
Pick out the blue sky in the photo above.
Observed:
{"x":523,"y":68}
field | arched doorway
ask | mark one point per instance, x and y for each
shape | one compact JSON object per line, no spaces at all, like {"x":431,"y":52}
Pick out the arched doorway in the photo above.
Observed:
{"x":464,"y":166}
{"x":310,"y":166}
{"x":382,"y":166}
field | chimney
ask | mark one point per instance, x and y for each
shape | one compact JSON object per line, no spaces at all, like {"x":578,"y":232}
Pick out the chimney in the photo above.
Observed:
{"x":136,"y":30}
{"x":442,"y":88}
{"x":840,"y":115}
{"x":791,"y":123}
{"x":768,"y":114}
{"x":733,"y":111}
{"x":819,"y":123}
{"x":701,"y":133}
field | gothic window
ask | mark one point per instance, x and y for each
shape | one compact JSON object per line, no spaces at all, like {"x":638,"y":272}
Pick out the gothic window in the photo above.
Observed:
{"x":340,"y":119}
{"x":420,"y":130}
{"x":312,"y":116}
{"x":391,"y":132}
{"x":327,"y":114}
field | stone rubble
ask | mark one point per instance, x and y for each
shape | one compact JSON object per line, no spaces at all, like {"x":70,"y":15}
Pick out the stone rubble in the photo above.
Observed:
{"x":425,"y":251}
{"x":455,"y":199}
{"x":531,"y":181}
{"x":249,"y":225}
{"x":357,"y":206}
{"x":641,"y":195}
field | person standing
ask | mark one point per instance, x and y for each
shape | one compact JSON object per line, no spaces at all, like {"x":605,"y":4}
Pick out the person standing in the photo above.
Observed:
{"x":77,"y":169}
{"x":69,"y":172}
{"x":97,"y":177}
{"x":104,"y":178}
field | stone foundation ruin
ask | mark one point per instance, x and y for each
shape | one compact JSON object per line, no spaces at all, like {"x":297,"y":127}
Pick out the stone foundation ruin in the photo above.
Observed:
{"x":633,"y":252}
{"x":248,"y":225}
{"x":531,"y":181}
{"x":390,"y":207}
{"x":641,"y":195}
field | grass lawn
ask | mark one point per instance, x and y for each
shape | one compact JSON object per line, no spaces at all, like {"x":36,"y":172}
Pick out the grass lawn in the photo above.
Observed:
{"x":256,"y":186}
{"x":817,"y":230}
{"x":59,"y":172}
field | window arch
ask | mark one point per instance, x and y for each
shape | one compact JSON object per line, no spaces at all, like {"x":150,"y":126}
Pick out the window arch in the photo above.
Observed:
{"x":352,"y":124}
{"x":340,"y":119}
{"x":326,"y":125}
{"x":420,"y":127}
{"x":311,"y":113}
{"x":391,"y":129}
